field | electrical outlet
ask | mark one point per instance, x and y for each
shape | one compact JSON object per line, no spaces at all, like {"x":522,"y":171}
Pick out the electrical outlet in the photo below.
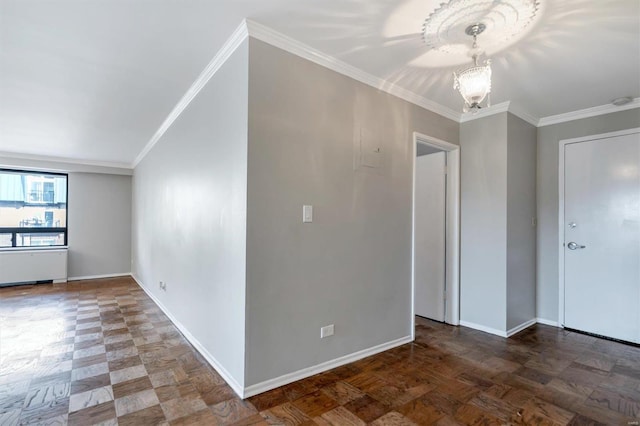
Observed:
{"x":163,"y":286}
{"x":326,"y":331}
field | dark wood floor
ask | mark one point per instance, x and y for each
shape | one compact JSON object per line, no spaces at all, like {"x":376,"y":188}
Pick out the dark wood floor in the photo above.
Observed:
{"x":101,"y":352}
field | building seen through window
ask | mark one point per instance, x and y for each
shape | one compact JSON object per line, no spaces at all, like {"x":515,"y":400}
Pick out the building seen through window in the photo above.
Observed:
{"x":33,"y":209}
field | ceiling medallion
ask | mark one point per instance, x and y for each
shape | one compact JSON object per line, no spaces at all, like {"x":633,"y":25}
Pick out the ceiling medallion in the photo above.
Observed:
{"x":444,"y":29}
{"x":447,"y":28}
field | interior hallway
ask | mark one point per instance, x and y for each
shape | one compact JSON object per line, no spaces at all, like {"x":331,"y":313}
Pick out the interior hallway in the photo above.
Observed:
{"x":101,"y":351}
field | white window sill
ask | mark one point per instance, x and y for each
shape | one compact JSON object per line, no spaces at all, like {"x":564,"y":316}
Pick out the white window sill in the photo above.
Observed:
{"x":38,"y":248}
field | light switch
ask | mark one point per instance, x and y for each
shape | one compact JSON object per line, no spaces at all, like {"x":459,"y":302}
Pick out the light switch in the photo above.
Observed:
{"x":307,"y":214}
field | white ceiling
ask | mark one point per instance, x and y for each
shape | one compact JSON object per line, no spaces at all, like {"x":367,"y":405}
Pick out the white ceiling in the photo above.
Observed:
{"x":94,"y":79}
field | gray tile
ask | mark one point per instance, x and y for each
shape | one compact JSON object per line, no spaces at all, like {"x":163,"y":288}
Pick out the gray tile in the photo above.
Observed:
{"x":90,"y":398}
{"x":136,"y":402}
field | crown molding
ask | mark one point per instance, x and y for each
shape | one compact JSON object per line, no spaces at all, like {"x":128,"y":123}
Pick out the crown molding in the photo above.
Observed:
{"x":586,"y":113}
{"x":233,"y":42}
{"x":263,"y":33}
{"x":520,"y":112}
{"x":63,"y":164}
{"x":281,"y":41}
{"x":485,"y":112}
{"x":507,"y":106}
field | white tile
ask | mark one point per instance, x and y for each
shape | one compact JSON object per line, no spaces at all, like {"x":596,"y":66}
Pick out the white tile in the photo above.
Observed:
{"x":90,"y":398}
{"x":91,"y":351}
{"x":122,"y":353}
{"x":57,"y":349}
{"x":45,"y":395}
{"x":136,"y":402}
{"x":52,"y":368}
{"x":86,"y":337}
{"x":115,"y":326}
{"x":128,"y":373}
{"x":86,"y":325}
{"x":89,"y":371}
{"x":10,"y":418}
{"x":117,"y":338}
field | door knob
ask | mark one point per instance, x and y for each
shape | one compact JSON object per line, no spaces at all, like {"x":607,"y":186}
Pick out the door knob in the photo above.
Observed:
{"x":575,"y":246}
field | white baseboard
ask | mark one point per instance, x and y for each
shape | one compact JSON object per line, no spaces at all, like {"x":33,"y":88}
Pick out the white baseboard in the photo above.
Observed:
{"x":479,"y":327}
{"x":548,"y":322}
{"x":328,"y":365}
{"x":237,"y":388}
{"x":278,"y":381}
{"x":95,"y":277}
{"x":514,"y":330}
{"x":519,"y":328}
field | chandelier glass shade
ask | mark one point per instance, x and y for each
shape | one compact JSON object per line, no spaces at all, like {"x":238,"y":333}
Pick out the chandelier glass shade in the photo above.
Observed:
{"x":474,"y":84}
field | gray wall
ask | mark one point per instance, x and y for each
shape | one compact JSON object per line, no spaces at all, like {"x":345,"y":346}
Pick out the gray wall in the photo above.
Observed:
{"x":189,"y":216}
{"x":483,"y":218}
{"x":497,"y":240}
{"x":99,"y":224}
{"x":547,"y":188}
{"x":521,"y":209}
{"x":352,"y":266}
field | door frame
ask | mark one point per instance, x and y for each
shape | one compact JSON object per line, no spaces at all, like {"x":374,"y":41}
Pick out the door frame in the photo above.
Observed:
{"x":561,"y":225}
{"x":452,"y":225}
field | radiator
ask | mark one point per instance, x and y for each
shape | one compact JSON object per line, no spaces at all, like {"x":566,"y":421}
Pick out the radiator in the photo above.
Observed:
{"x":24,"y":266}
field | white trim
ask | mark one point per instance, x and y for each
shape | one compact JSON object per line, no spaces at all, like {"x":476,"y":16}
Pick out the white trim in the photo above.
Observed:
{"x":274,"y":38}
{"x":225,"y":52}
{"x":608,"y":135}
{"x":547,"y":322}
{"x":452,"y":226}
{"x":62,"y":164}
{"x":497,"y":332}
{"x":561,"y":147}
{"x":281,"y":41}
{"x":519,"y":328}
{"x":520,"y":112}
{"x":485,"y":112}
{"x":35,"y":248}
{"x":507,"y":106}
{"x":587,"y":112}
{"x":561,"y":233}
{"x":319,"y":368}
{"x":97,"y":277}
{"x":237,"y":388}
{"x":479,"y":327}
{"x":412,"y":311}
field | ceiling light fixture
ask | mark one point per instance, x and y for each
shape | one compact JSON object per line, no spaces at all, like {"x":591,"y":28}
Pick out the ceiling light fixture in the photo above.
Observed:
{"x":474,"y":83}
{"x":446,"y":29}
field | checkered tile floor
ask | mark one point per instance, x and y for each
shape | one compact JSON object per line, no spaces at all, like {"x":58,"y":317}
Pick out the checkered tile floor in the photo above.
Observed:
{"x":101,"y":352}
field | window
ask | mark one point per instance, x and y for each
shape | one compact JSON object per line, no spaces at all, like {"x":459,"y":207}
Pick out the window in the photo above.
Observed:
{"x":33,"y":209}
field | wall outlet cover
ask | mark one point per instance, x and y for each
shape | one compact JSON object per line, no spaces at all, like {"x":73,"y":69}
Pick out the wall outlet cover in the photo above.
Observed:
{"x":326,"y":331}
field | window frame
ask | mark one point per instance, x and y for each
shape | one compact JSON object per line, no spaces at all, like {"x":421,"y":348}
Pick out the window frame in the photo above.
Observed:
{"x":14,"y":231}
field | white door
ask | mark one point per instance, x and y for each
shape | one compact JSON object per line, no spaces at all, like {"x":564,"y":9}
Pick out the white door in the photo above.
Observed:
{"x":602,"y":237}
{"x":430,"y":214}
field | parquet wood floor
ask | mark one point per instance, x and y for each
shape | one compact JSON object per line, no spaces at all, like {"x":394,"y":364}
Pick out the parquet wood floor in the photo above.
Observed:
{"x":101,"y":352}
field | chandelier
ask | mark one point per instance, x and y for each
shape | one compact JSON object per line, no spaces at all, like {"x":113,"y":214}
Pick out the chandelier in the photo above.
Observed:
{"x":446,"y":30}
{"x":474,"y":83}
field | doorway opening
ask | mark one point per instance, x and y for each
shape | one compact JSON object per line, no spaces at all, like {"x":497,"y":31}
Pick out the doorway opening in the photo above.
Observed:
{"x":436,"y":230}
